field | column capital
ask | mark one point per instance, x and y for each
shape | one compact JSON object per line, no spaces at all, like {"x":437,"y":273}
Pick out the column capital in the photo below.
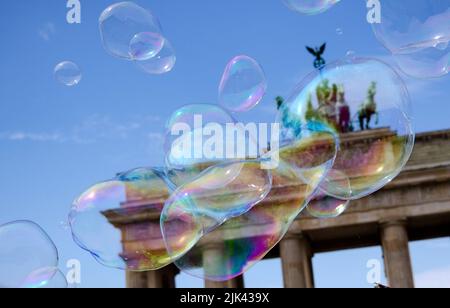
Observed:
{"x":393,"y":221}
{"x":294,"y":235}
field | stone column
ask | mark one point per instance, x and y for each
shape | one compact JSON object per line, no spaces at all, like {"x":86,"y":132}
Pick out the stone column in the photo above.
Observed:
{"x":296,"y":259}
{"x":236,"y":283}
{"x":163,"y":278}
{"x":136,"y":280}
{"x":397,"y":260}
{"x":213,"y":256}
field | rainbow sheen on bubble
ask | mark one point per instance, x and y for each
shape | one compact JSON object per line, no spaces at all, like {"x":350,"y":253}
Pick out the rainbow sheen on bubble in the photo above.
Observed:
{"x":119,"y":25}
{"x":243,"y":84}
{"x":28,"y":258}
{"x":229,"y":249}
{"x":67,"y":73}
{"x":188,"y":150}
{"x":324,"y":205}
{"x":146,"y":45}
{"x":219,"y":193}
{"x":309,"y":149}
{"x":367,"y":105}
{"x":418,"y":34}
{"x":100,"y":221}
{"x":310,"y":7}
{"x":162,"y":63}
{"x":45,"y":278}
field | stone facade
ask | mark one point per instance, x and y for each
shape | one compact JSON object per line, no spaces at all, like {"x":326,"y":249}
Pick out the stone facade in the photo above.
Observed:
{"x":414,"y":206}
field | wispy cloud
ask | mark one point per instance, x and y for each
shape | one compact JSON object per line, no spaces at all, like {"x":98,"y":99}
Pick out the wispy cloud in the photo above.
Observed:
{"x":104,"y":127}
{"x":156,"y":137}
{"x":95,"y":128}
{"x":46,"y":31}
{"x":436,"y":278}
{"x":26,"y":136}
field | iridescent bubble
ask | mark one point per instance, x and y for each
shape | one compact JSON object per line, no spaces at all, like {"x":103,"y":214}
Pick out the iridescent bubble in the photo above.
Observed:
{"x":162,"y":63}
{"x":418,"y":33}
{"x":146,"y":45}
{"x":219,"y":193}
{"x":119,"y":25}
{"x":200,"y":136}
{"x":68,"y":73}
{"x":45,"y":278}
{"x":228,"y":250}
{"x":100,"y":221}
{"x":310,"y":7}
{"x":225,"y":190}
{"x":243,"y":85}
{"x":28,"y":257}
{"x":310,"y":150}
{"x":367,"y":104}
{"x":324,"y":204}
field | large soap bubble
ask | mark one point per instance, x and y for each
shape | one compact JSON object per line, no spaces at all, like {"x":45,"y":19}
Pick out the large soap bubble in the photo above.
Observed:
{"x":231,"y":248}
{"x":418,"y":33}
{"x":68,"y":73}
{"x":185,"y":129}
{"x":199,"y":136}
{"x":243,"y":85}
{"x":129,"y":31}
{"x":367,"y":104}
{"x":113,"y":221}
{"x":28,"y":257}
{"x":310,"y":7}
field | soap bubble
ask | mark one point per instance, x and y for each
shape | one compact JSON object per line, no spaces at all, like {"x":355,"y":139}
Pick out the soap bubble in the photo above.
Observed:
{"x":324,"y":204}
{"x":224,"y":190}
{"x":231,"y":248}
{"x":68,"y":73}
{"x":162,"y":63}
{"x":243,"y":85}
{"x":339,"y":31}
{"x":418,"y":32}
{"x":122,"y":22}
{"x":45,"y":278}
{"x":428,"y":63}
{"x":28,"y":258}
{"x":146,"y":45}
{"x":199,"y":136}
{"x":100,"y":221}
{"x":367,"y":104}
{"x":184,"y":134}
{"x":219,"y":193}
{"x":310,"y":7}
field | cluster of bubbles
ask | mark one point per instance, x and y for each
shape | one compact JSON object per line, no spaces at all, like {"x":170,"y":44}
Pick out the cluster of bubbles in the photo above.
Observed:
{"x":28,"y":258}
{"x":215,"y":216}
{"x":417,"y":33}
{"x":128,"y":32}
{"x":133,"y":33}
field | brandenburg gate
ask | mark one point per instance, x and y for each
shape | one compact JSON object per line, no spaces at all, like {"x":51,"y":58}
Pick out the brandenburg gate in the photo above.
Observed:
{"x":414,"y":206}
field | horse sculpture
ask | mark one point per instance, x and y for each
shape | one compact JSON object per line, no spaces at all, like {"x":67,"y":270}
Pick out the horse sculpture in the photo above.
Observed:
{"x":368,"y":108}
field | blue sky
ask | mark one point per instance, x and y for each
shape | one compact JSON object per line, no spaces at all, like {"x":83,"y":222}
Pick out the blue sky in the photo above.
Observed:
{"x":57,"y":141}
